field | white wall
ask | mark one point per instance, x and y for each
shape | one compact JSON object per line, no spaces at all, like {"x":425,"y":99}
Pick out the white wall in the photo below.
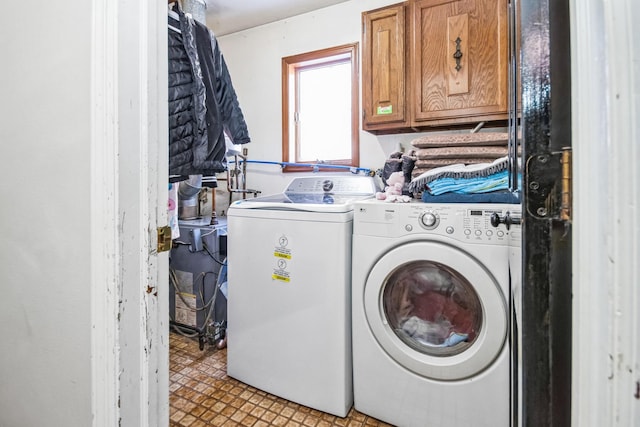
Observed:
{"x":45,"y":130}
{"x":254,"y":60}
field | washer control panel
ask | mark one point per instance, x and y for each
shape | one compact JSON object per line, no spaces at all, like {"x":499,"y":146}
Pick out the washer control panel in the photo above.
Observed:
{"x":342,"y":185}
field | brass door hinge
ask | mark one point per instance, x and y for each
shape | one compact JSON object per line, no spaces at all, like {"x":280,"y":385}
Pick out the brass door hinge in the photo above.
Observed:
{"x":164,"y":238}
{"x":548,"y":185}
{"x":567,"y":193}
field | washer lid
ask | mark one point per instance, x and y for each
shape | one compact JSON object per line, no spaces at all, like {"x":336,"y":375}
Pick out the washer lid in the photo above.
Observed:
{"x":308,"y":203}
{"x":436,"y":310}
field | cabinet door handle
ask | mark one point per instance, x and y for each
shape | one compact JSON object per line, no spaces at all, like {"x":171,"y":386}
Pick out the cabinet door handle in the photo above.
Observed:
{"x":458,"y":54}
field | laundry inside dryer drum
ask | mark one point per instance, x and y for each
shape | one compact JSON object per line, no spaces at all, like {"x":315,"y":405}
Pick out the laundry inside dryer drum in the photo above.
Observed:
{"x":432,"y":308}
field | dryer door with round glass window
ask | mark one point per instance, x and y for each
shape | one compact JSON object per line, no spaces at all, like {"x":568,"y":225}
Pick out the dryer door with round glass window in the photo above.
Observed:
{"x":436,"y":310}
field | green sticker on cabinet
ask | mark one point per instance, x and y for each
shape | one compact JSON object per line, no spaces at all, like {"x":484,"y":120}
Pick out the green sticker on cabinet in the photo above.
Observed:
{"x":385,"y":110}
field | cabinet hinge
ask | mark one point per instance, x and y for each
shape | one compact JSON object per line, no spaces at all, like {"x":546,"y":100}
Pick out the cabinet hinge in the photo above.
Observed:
{"x":164,"y":239}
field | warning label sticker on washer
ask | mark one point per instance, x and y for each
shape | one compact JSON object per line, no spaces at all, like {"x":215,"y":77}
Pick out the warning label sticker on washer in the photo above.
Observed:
{"x":286,"y":254}
{"x":281,"y":275}
{"x":281,"y":249}
{"x":282,"y":253}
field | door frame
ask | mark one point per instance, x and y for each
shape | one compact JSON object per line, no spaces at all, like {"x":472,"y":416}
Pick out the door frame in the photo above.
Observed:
{"x":581,"y":365}
{"x":547,"y":235}
{"x":129,"y":172}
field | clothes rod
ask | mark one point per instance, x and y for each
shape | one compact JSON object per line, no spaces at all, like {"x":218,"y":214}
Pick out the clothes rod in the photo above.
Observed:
{"x":316,"y":166}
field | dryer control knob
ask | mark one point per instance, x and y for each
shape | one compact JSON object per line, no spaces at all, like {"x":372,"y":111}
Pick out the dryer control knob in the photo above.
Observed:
{"x":429,"y":220}
{"x":508,"y":219}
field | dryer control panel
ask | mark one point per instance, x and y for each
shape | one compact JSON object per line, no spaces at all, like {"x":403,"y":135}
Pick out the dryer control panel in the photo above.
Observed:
{"x":465,"y":222}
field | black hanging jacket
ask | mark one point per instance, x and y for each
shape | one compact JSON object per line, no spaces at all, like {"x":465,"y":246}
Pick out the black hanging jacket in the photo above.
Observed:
{"x":202,"y":102}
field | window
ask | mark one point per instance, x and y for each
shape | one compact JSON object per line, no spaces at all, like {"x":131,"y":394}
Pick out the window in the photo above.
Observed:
{"x":320,"y":107}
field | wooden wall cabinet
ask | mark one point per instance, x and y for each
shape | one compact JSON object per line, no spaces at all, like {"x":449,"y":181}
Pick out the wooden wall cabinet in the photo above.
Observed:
{"x":460,"y":61}
{"x":385,"y":69}
{"x":455,"y":65}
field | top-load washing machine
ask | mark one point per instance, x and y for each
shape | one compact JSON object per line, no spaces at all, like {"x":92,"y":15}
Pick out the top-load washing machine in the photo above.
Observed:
{"x":431,"y":314}
{"x":289,"y":292}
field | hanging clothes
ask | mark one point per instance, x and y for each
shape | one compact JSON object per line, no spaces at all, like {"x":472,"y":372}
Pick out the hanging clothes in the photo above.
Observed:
{"x":223,"y":110}
{"x":187,"y":125}
{"x":203,"y":104}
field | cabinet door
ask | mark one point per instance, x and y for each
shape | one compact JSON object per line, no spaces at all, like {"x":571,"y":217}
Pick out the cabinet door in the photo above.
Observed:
{"x":384,"y":69}
{"x":459,"y":68}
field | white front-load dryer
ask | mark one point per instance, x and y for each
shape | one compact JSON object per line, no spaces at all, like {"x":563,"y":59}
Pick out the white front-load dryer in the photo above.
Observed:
{"x":430,"y":314}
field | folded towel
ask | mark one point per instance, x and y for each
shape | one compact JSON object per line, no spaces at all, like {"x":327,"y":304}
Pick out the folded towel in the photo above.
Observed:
{"x":450,"y":140}
{"x":458,"y":171}
{"x":500,"y":196}
{"x":461,"y":152}
{"x":438,"y":163}
{"x":497,"y":181}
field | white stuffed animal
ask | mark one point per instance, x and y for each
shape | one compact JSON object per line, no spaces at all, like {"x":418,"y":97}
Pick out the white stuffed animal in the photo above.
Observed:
{"x":393,"y":191}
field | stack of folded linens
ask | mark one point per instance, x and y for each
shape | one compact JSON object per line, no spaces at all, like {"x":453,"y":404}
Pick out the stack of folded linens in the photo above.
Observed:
{"x":464,"y":179}
{"x":435,"y":151}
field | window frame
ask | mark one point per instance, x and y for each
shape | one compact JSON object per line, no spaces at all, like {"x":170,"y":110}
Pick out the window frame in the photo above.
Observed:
{"x":290,"y":67}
